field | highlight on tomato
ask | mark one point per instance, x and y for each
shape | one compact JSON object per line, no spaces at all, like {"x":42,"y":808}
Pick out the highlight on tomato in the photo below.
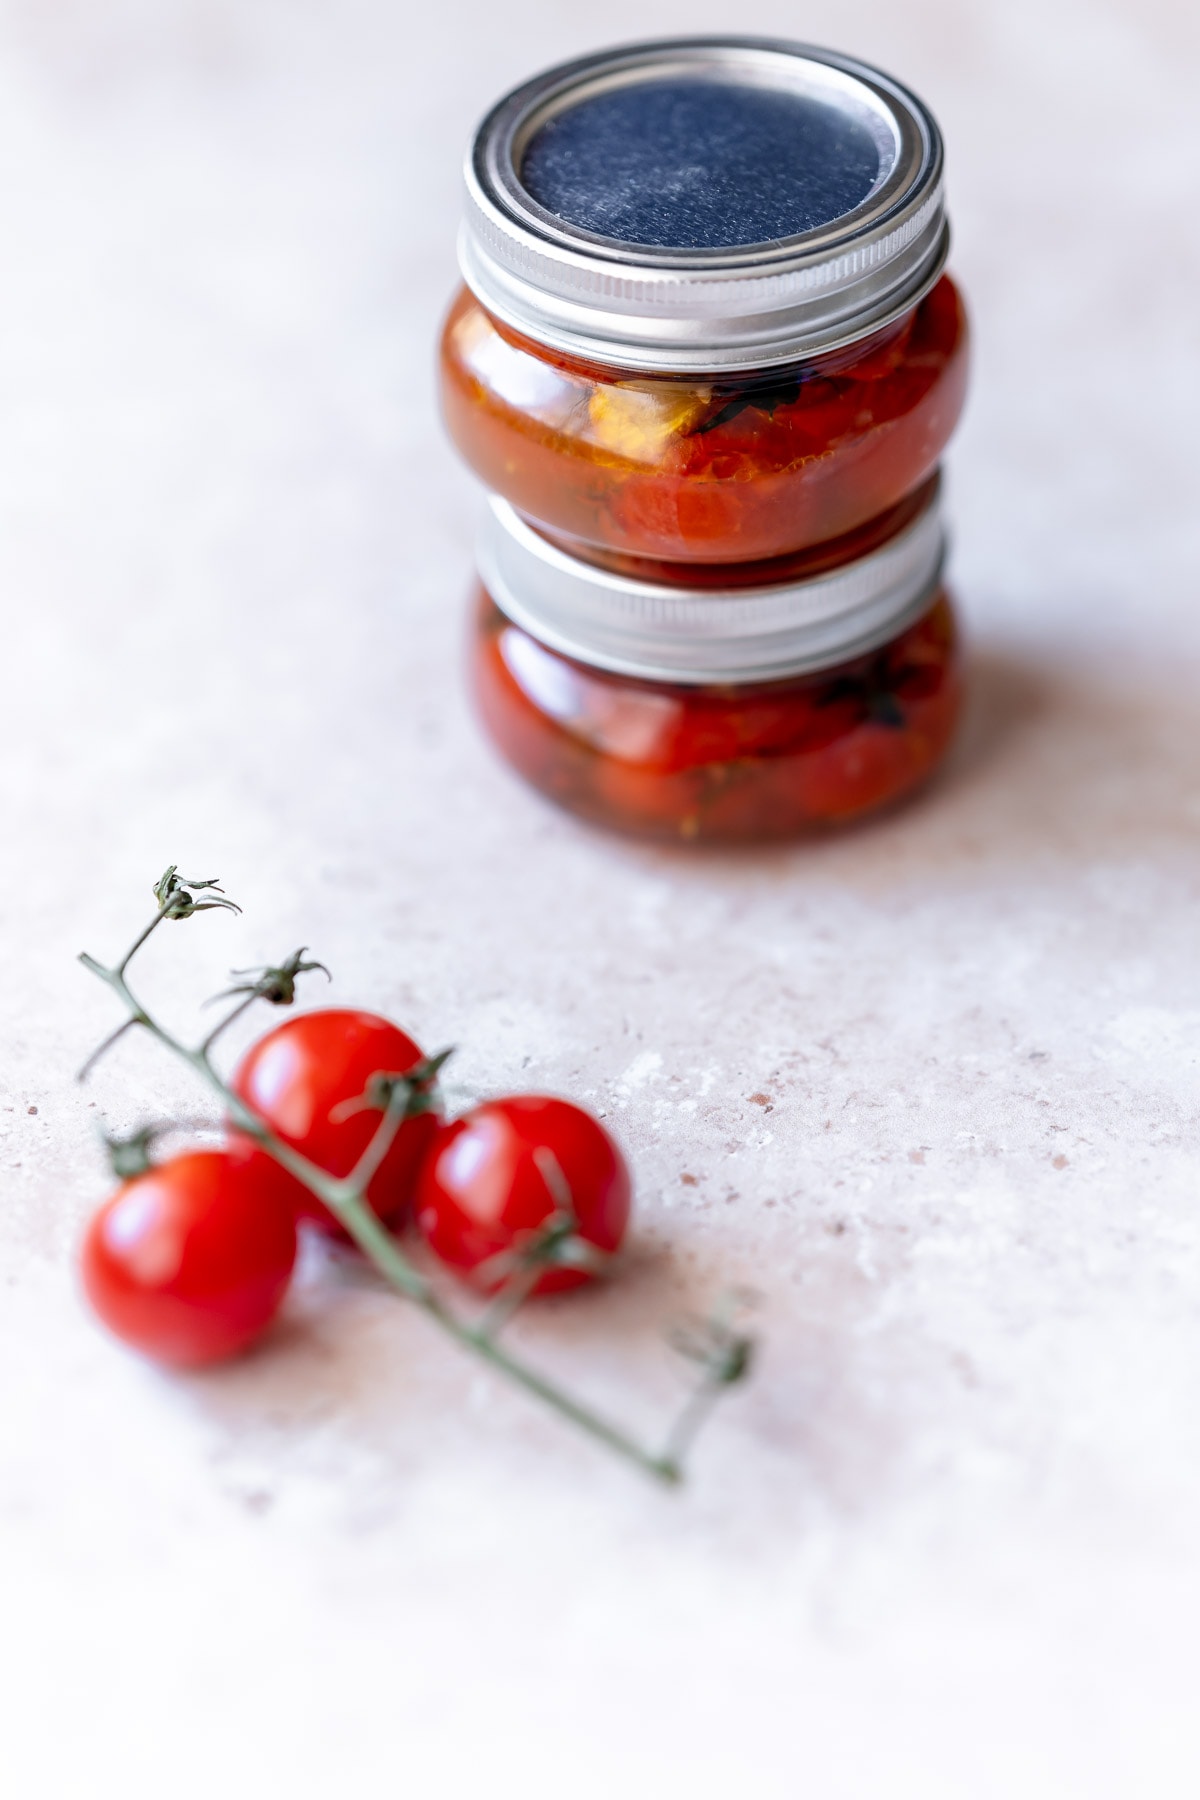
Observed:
{"x":527,"y":1180}
{"x":303,"y":1080}
{"x":189,"y":1262}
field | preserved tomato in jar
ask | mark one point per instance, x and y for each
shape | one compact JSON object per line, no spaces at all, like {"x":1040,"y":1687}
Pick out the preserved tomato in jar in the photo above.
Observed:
{"x":718,"y":715}
{"x":705,"y":317}
{"x":685,"y":468}
{"x":706,"y":358}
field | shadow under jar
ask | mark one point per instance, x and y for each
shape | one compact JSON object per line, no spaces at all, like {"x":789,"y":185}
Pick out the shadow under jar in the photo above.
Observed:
{"x":736,"y":714}
{"x":705,"y":316}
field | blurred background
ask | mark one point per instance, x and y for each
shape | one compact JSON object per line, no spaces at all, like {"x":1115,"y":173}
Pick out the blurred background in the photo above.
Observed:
{"x":947,"y":1545}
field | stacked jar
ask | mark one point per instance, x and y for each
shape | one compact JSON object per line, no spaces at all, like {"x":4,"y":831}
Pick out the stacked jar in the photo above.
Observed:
{"x":706,"y":359}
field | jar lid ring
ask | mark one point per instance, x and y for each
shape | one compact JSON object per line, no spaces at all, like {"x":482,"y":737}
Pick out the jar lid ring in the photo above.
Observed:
{"x":706,"y":637}
{"x":703,"y":309}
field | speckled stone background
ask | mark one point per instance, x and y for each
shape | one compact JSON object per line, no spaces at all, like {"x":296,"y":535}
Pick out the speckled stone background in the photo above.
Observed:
{"x":930,"y":1089}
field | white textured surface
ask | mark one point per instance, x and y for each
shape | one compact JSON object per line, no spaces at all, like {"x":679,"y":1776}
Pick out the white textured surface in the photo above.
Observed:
{"x":946,"y":1545}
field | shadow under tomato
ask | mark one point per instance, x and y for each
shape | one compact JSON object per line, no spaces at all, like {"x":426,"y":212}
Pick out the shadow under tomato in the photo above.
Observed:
{"x":343,"y":1337}
{"x":357,"y":1391}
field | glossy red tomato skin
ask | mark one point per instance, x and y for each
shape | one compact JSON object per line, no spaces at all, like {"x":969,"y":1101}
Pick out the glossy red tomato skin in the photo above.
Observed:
{"x":190,"y":1262}
{"x":300,"y":1073}
{"x":481,"y":1191}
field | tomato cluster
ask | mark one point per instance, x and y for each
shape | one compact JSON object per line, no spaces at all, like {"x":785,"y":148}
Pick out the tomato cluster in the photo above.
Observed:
{"x":189,"y":1261}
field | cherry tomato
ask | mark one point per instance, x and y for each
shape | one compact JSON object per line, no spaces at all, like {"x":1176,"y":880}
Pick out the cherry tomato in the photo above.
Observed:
{"x":300,"y":1075}
{"x":484,"y":1192}
{"x":189,"y":1262}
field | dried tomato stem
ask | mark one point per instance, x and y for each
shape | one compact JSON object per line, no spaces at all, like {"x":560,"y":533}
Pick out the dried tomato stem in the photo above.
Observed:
{"x":102,"y":1048}
{"x":509,"y":1300}
{"x":345,"y":1198}
{"x":138,"y":941}
{"x":384,"y":1136}
{"x":222,"y":1026}
{"x":691,"y":1417}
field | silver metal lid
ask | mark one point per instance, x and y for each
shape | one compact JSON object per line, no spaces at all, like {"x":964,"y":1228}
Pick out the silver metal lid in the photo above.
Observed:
{"x":709,"y":637}
{"x":702,"y":307}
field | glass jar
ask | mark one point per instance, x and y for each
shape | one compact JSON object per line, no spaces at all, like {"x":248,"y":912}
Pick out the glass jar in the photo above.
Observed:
{"x":688,"y":469}
{"x":718,"y":714}
{"x":705,"y":317}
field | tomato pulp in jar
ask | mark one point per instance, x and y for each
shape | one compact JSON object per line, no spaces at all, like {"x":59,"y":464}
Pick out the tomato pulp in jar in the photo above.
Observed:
{"x":686,"y":468}
{"x":706,"y":318}
{"x":718,"y":714}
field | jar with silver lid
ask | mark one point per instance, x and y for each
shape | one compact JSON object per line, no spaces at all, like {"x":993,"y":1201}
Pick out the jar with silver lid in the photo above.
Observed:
{"x":705,"y":318}
{"x":727,"y":713}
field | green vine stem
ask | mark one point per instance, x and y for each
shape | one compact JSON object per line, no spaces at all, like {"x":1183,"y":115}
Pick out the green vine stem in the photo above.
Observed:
{"x":722,"y":1355}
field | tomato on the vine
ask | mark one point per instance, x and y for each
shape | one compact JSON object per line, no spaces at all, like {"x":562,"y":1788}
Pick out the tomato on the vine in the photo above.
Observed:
{"x":190,"y":1261}
{"x":302,"y":1079}
{"x":488,"y":1186}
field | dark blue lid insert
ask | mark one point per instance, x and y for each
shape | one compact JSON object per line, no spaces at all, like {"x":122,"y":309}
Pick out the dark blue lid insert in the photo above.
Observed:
{"x":700,"y":164}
